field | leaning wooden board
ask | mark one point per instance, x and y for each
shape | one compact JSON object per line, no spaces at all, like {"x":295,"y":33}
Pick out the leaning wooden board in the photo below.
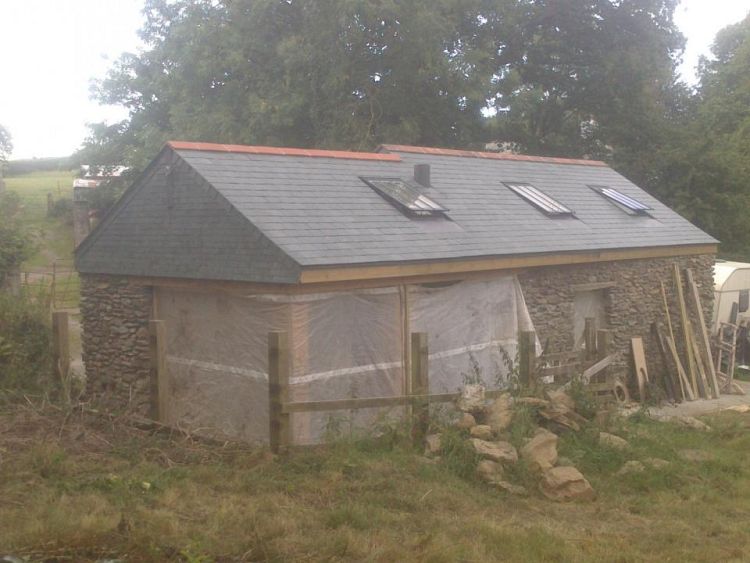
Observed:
{"x":686,"y":329}
{"x":703,"y":332}
{"x":639,"y":363}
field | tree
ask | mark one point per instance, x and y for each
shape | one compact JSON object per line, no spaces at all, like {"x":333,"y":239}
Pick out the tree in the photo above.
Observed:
{"x":704,"y":167}
{"x":564,"y":77}
{"x":331,"y":73}
{"x":591,"y":78}
{"x":6,"y":144}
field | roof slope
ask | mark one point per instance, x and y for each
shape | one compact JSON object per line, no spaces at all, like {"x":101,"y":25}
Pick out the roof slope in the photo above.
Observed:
{"x":315,"y":210}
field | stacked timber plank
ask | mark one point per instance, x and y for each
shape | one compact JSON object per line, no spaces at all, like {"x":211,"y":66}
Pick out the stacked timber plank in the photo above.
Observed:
{"x":686,"y":346}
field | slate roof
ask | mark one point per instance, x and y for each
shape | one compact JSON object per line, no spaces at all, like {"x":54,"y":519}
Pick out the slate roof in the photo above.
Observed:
{"x":313,"y":210}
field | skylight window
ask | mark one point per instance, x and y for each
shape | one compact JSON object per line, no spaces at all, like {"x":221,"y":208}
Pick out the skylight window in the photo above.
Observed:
{"x":539,"y":199}
{"x":622,"y":200}
{"x":406,"y":196}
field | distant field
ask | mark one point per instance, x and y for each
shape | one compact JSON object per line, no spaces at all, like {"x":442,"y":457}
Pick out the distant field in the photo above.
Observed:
{"x":54,"y":235}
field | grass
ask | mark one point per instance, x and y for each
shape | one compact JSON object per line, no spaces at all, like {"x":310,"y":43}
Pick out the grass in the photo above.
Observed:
{"x":78,"y":487}
{"x":54,"y":235}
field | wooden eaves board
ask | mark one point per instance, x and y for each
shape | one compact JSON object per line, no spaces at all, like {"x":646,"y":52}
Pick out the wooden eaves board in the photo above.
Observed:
{"x":329,"y":279}
{"x":333,"y":274}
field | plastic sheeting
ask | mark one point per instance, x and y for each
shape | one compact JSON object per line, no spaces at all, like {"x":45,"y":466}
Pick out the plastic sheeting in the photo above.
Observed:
{"x":472,"y":330}
{"x":343,"y":345}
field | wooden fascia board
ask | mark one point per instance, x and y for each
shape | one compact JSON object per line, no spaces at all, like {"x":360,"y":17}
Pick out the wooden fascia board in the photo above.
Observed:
{"x":349,"y":273}
{"x":380,"y":278}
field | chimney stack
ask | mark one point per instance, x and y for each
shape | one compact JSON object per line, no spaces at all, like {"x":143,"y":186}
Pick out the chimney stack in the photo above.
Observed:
{"x":422,"y":174}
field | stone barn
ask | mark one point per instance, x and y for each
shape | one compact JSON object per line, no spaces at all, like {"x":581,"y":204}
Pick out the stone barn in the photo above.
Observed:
{"x":349,"y":252}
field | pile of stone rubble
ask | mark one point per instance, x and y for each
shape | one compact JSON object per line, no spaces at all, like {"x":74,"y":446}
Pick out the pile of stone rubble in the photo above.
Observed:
{"x":485,"y":422}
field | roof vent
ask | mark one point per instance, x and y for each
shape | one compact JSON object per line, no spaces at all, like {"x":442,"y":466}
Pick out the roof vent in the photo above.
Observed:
{"x":422,"y":174}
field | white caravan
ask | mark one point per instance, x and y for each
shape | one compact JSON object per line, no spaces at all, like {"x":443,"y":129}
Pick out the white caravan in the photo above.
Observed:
{"x":731,"y":285}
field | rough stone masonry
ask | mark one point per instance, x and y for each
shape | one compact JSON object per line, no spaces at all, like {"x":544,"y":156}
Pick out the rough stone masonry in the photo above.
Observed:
{"x":115,"y":313}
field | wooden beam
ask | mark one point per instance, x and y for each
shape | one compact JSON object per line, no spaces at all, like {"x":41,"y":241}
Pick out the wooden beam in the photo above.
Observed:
{"x":680,"y":369}
{"x":685,"y":321}
{"x":669,"y":378}
{"x":702,"y":379}
{"x":160,"y":389}
{"x":689,"y":394}
{"x":278,"y":391}
{"x":375,"y":402}
{"x":342,"y":278}
{"x":703,"y":332}
{"x":639,"y":363}
{"x":589,"y":337}
{"x":61,"y":350}
{"x":604,"y":340}
{"x":339,"y":273}
{"x":527,"y":358}
{"x":580,"y":287}
{"x":597,"y":367}
{"x":419,"y":386}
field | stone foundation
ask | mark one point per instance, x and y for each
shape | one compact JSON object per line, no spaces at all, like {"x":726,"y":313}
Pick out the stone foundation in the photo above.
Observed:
{"x":115,"y":314}
{"x":633,"y":300}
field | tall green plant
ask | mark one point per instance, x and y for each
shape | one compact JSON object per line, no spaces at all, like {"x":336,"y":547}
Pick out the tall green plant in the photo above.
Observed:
{"x":15,"y":243}
{"x":25,"y":344}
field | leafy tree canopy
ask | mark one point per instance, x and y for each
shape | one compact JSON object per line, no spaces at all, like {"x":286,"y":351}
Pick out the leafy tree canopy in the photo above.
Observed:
{"x":704,"y":165}
{"x":6,"y":144}
{"x":561,"y":76}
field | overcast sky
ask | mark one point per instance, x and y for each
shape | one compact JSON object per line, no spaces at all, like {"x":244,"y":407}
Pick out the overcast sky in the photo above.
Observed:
{"x":50,"y":49}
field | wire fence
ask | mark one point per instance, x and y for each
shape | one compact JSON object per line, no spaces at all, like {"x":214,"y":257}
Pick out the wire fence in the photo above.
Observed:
{"x":57,"y":284}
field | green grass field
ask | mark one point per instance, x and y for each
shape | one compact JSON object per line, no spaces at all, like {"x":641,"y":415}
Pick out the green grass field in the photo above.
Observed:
{"x":80,"y":488}
{"x":54,"y":236}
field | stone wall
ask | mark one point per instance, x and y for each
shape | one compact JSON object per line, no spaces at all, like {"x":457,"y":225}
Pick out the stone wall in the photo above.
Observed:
{"x":633,"y":300}
{"x":115,"y":314}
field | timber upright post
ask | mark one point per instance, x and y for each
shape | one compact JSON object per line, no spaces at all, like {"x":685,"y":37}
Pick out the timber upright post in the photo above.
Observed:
{"x":589,"y":333}
{"x":157,"y":343}
{"x":527,"y":358}
{"x":279,"y":427}
{"x":603,"y":343}
{"x":420,"y":385}
{"x":603,"y":349}
{"x":61,"y":350}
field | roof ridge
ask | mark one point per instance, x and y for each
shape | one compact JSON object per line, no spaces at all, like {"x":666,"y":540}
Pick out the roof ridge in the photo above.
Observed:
{"x":488,"y":155}
{"x":282,"y":151}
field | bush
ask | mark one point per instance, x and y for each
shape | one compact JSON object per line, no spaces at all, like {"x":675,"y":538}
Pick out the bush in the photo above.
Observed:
{"x":62,"y":208}
{"x":25,"y":345}
{"x":15,"y":244}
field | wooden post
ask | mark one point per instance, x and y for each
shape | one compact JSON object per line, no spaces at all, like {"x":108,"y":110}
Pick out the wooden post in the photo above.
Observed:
{"x":589,"y":335}
{"x":680,"y":371}
{"x":279,"y":427}
{"x":603,"y":343}
{"x":685,"y":327}
{"x":61,"y":350}
{"x":54,"y":284}
{"x":527,"y":358}
{"x":157,"y":343}
{"x":420,"y":385}
{"x":703,"y":331}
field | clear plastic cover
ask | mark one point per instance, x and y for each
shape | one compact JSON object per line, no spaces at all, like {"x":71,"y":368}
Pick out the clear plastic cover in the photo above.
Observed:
{"x":342,"y":345}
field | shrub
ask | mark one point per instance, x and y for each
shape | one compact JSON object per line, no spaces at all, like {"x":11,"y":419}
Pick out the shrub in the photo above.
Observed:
{"x":62,"y":208}
{"x":25,"y":345}
{"x":15,"y":244}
